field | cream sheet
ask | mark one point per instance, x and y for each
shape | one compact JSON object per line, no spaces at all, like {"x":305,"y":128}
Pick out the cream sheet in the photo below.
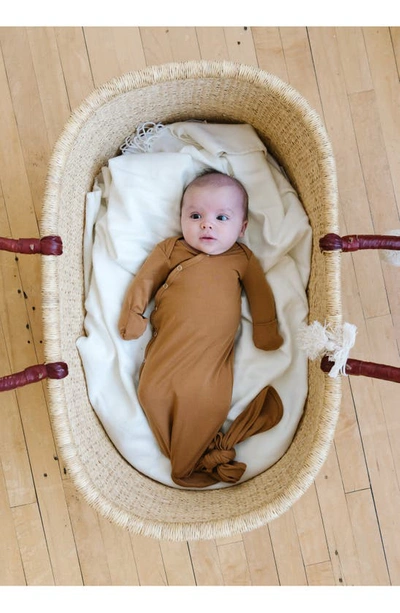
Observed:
{"x":134,"y":205}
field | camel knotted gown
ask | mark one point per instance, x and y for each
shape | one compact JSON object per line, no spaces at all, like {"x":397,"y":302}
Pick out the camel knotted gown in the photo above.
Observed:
{"x":186,"y":379}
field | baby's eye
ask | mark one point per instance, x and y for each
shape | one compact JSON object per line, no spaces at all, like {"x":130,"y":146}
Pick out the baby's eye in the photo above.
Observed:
{"x":195,"y":216}
{"x":222,"y":218}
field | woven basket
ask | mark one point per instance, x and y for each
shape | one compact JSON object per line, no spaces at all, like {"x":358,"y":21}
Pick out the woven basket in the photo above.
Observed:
{"x":294,"y":135}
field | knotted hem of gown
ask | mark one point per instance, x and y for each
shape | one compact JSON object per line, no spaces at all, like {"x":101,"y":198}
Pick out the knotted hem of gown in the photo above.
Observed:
{"x":218,"y":463}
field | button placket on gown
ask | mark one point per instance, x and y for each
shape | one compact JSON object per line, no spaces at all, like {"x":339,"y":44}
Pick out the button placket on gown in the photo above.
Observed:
{"x":169,"y":280}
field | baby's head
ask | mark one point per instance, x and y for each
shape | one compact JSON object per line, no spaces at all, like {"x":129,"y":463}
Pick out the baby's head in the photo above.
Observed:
{"x":214,"y":212}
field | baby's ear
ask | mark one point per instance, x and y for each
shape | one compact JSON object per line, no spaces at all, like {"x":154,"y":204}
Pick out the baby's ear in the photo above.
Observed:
{"x":243,"y":230}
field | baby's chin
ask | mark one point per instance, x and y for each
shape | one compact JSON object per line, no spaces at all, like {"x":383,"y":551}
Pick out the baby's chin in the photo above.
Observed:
{"x":211,"y":247}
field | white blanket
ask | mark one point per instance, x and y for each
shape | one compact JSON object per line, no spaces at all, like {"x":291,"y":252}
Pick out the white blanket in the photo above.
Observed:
{"x":134,"y":205}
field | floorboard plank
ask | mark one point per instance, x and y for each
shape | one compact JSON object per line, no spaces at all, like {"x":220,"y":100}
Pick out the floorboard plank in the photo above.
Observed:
{"x":88,"y":538}
{"x":385,"y":78}
{"x":234,"y":565}
{"x":260,"y":557}
{"x":320,"y":574}
{"x":184,"y":44}
{"x":156,"y":46}
{"x":300,"y":65}
{"x":206,"y":565}
{"x":149,"y":561}
{"x":11,"y":568}
{"x":338,"y":528}
{"x":177,"y":563}
{"x":75,"y":64}
{"x":119,"y":552}
{"x":367,"y":537}
{"x":269,"y":51}
{"x":354,"y":59}
{"x":310,"y":528}
{"x":32,"y":545}
{"x":395,"y":38}
{"x":23,"y":85}
{"x":50,"y":79}
{"x":287,"y":550}
{"x":240,"y":45}
{"x":113,"y":52}
{"x":212,"y":43}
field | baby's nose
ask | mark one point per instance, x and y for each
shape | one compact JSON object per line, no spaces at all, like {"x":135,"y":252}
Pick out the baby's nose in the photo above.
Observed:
{"x":206,"y":224}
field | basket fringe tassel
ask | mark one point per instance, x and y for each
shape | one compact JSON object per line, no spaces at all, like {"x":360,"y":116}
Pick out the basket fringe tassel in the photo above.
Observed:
{"x":335,"y":342}
{"x":141,"y":141}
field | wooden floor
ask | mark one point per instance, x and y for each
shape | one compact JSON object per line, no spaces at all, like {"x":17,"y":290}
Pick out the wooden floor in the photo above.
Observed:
{"x":346,"y":529}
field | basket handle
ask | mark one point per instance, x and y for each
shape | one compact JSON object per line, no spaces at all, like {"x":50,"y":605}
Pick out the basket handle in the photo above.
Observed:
{"x":365,"y":369}
{"x":48,"y":245}
{"x":33,"y":374}
{"x":356,"y":242}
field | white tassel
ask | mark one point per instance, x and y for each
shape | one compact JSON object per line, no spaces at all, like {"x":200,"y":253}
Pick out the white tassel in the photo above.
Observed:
{"x":142,"y":140}
{"x":317,"y":340}
{"x":313,"y":339}
{"x":391,"y":256}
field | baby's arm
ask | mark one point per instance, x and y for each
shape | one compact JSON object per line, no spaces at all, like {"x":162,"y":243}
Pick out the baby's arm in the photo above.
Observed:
{"x":262,"y":307}
{"x":153,"y":272}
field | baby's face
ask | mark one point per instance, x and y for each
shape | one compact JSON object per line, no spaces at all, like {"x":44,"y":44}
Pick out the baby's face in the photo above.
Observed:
{"x":212,"y":217}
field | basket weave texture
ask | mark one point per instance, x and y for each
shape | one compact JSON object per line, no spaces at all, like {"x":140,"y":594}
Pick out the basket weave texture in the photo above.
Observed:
{"x":293,"y":133}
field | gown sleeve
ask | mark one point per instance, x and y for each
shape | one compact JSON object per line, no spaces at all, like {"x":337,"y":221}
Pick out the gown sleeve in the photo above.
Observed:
{"x":266,"y":334}
{"x":132,"y":322}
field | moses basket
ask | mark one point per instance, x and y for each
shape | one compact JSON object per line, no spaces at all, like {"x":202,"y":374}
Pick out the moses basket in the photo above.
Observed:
{"x":219,"y":92}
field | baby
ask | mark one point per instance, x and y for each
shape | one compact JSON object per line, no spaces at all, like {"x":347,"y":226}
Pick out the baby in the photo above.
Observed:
{"x":186,"y":379}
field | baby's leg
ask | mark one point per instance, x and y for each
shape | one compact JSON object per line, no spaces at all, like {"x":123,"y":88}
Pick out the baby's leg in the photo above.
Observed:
{"x":184,"y":417}
{"x":217,"y":459}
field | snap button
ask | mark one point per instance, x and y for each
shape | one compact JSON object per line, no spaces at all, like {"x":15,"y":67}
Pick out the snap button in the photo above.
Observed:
{"x":179,"y":268}
{"x":155,"y":333}
{"x":165,"y":285}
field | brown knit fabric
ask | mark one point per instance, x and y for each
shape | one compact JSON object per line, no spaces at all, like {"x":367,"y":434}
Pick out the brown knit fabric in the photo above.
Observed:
{"x":186,"y":379}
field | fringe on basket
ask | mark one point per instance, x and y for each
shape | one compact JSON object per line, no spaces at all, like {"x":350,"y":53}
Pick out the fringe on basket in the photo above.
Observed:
{"x":141,"y":140}
{"x":390,"y":256}
{"x":317,"y":340}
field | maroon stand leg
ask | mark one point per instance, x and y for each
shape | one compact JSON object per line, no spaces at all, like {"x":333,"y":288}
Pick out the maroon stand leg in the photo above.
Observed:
{"x":356,"y":242}
{"x":33,"y":374}
{"x":365,"y":369}
{"x":48,"y":245}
